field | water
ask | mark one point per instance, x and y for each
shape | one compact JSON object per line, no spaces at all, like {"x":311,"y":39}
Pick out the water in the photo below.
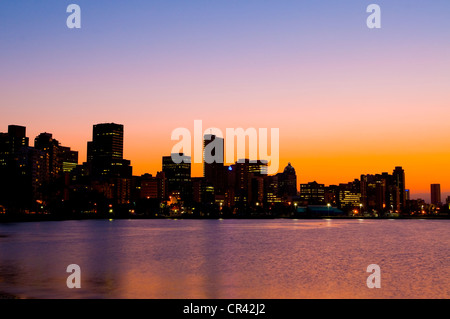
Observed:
{"x":226,"y":258}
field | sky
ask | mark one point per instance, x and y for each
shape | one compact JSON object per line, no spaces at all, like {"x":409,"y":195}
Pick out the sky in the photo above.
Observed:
{"x":348,"y":100}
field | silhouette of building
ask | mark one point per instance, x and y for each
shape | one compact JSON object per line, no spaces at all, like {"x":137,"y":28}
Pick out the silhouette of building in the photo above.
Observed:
{"x":399,"y":182}
{"x":246,"y":181}
{"x":16,"y":170}
{"x":313,"y":193}
{"x":45,"y":143}
{"x":288,"y":182}
{"x":349,"y":196}
{"x":17,"y":138}
{"x":106,"y":171}
{"x":271,"y":189}
{"x":178,"y":177}
{"x":105,"y":152}
{"x":384,"y":192}
{"x":436,"y":194}
{"x":213,"y":162}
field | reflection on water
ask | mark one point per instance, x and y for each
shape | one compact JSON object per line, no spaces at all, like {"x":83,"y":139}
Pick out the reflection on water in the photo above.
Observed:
{"x":226,"y":258}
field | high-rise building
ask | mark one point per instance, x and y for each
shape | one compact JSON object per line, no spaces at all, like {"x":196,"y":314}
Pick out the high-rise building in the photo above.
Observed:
{"x":399,"y":182}
{"x":33,"y":164}
{"x":178,"y":176}
{"x":17,"y":138}
{"x":15,"y":172}
{"x":107,"y":141}
{"x":47,"y":144}
{"x":245,"y":180}
{"x":105,"y":152}
{"x":213,"y":162}
{"x":271,"y":189}
{"x":436,"y":194}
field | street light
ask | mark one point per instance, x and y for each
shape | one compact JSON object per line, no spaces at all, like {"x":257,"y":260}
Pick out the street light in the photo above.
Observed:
{"x":328,"y":207}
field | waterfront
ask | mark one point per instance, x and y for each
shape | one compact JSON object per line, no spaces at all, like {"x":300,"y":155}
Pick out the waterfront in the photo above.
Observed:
{"x":226,"y":258}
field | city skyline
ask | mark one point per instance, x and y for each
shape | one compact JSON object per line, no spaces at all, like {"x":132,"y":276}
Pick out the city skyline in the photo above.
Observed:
{"x":347,"y":99}
{"x":118,"y":145}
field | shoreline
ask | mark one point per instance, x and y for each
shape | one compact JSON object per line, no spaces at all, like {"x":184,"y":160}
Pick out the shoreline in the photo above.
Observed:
{"x":43,"y":218}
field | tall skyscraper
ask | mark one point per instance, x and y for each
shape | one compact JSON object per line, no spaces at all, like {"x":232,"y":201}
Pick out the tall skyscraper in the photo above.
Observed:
{"x":213,"y":162}
{"x":47,"y":144}
{"x":107,"y":142}
{"x":436,"y":194}
{"x":105,"y":152}
{"x":178,"y":177}
{"x":15,"y":169}
{"x":399,"y":182}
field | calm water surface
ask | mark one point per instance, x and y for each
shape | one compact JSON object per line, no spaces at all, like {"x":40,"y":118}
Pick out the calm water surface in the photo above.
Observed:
{"x":226,"y":258}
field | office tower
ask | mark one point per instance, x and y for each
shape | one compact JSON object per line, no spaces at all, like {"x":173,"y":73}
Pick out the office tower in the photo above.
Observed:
{"x":17,"y":138}
{"x":105,"y":152}
{"x":107,"y":171}
{"x":349,"y":195}
{"x":399,"y":182}
{"x":271,"y":189}
{"x":10,"y":144}
{"x":15,"y":172}
{"x":374,"y":192}
{"x":313,"y":193}
{"x":47,"y":144}
{"x":178,"y":177}
{"x":213,"y":162}
{"x":107,"y":141}
{"x":246,"y":178}
{"x":36,"y":171}
{"x":436,"y":194}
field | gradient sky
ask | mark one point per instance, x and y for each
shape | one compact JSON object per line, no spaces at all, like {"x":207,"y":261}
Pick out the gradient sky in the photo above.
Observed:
{"x":347,"y":99}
